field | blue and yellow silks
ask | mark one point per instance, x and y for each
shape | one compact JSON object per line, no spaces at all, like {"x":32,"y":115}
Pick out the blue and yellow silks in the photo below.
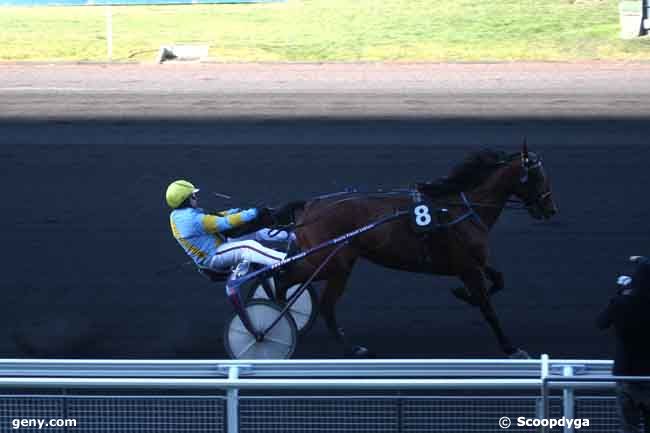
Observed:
{"x":200,"y":233}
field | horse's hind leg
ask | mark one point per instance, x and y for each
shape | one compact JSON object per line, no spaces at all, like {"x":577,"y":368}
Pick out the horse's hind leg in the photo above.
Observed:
{"x":493,"y":275}
{"x":331,"y":294}
{"x":475,"y":280}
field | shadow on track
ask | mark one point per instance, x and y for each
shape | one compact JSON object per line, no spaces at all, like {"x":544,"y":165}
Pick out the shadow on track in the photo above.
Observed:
{"x":86,"y":230}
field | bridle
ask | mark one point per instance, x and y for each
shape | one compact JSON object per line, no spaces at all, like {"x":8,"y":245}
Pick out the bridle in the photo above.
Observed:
{"x":531,"y":169}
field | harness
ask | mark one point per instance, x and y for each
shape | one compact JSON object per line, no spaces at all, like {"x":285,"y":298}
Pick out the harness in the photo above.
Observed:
{"x":417,"y":197}
{"x":471,"y":213}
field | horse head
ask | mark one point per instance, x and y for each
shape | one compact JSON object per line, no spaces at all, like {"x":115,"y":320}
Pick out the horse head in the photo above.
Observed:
{"x":534,"y":185}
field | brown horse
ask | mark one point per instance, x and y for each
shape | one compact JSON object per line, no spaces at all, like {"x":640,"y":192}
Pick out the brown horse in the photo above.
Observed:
{"x":467,"y":204}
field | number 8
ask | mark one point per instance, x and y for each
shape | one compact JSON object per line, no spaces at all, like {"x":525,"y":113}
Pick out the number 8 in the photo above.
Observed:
{"x":422,"y":217}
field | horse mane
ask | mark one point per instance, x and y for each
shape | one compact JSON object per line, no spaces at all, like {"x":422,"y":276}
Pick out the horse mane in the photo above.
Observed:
{"x":468,"y":174}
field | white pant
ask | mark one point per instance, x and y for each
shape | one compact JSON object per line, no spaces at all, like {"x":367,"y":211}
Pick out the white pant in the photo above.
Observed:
{"x":232,"y":253}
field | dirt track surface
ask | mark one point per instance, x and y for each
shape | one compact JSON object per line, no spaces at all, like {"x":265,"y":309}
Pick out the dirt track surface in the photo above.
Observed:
{"x":89,"y":149}
{"x":332,"y":90}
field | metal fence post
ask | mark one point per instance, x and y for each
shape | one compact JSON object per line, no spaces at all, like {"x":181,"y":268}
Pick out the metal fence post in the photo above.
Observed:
{"x":400,"y":412}
{"x":568,"y":399}
{"x":64,"y":393}
{"x":232,"y":403}
{"x":544,"y":390}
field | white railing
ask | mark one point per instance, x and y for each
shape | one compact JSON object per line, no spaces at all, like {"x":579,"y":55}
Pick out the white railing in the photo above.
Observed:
{"x":532,"y":368}
{"x":539,"y":376}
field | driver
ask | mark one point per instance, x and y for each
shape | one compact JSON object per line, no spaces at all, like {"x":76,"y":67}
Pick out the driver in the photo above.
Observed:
{"x":203,"y":235}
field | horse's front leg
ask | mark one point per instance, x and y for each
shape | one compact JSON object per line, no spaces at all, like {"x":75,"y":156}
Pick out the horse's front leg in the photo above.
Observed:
{"x":476,"y":282}
{"x":495,"y":277}
{"x":330,"y":295}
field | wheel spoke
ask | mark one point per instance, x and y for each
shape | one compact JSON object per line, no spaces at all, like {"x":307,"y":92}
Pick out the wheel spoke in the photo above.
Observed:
{"x":277,"y":341}
{"x":277,"y":350}
{"x":259,"y":321}
{"x":243,"y":331}
{"x":299,"y":313}
{"x":246,"y":348}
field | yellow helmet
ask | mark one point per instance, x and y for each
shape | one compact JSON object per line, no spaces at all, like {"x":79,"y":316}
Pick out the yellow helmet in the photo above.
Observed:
{"x":178,"y":191}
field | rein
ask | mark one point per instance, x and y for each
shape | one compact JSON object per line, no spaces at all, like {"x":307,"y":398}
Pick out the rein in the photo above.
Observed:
{"x":330,"y":206}
{"x":514,"y":204}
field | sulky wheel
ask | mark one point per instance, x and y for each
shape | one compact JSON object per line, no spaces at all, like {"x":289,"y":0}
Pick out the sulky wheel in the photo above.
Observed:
{"x":278,"y":343}
{"x":303,"y":311}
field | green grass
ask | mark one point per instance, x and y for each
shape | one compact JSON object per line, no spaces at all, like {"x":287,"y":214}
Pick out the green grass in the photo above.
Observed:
{"x":329,"y":30}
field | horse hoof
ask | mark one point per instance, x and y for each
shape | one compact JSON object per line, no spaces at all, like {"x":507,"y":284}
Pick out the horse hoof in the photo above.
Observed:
{"x":519,"y":354}
{"x":358,"y":352}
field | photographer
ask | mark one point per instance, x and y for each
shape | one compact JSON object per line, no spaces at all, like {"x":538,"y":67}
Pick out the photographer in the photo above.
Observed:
{"x":629,"y":314}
